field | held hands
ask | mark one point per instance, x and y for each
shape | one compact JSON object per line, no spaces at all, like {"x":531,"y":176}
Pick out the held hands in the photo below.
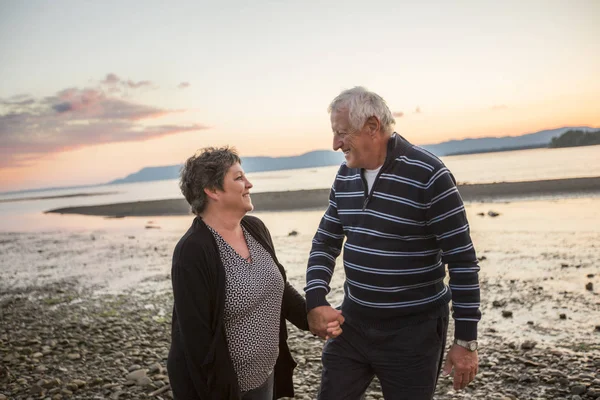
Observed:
{"x":465,"y":363}
{"x":325,"y":322}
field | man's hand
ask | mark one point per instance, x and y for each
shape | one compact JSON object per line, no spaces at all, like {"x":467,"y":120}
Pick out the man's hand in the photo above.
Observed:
{"x":325,"y":321}
{"x":465,"y":363}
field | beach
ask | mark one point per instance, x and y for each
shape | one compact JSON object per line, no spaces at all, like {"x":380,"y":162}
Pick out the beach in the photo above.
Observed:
{"x":86,"y":313}
{"x":317,"y":198}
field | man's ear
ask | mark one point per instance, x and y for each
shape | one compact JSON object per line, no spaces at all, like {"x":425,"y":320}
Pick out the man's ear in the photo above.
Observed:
{"x":373,"y":125}
{"x":211,"y":193}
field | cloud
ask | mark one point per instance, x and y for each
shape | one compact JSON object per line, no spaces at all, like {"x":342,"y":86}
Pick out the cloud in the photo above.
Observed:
{"x":111,"y":79}
{"x":73,"y":118}
{"x":398,"y":114}
{"x":116,"y":84}
{"x":17,"y":101}
{"x":418,"y":110}
{"x":498,"y":107}
{"x":184,"y":85}
{"x":136,"y":85}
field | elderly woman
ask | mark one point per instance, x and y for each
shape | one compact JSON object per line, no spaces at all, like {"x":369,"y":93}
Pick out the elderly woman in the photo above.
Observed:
{"x":231,"y":295}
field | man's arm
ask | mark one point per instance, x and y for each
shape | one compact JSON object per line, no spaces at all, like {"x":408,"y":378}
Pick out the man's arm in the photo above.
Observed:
{"x":326,"y":247}
{"x":446,"y":218}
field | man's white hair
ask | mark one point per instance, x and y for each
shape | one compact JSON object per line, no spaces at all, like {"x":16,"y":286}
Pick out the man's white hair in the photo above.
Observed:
{"x":361,"y":105}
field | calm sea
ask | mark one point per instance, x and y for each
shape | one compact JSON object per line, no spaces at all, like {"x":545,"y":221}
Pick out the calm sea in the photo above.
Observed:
{"x":522,"y":165}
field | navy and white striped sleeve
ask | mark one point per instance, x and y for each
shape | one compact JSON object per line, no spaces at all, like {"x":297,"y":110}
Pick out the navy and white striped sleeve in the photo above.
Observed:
{"x":447,"y":220}
{"x":326,"y":247}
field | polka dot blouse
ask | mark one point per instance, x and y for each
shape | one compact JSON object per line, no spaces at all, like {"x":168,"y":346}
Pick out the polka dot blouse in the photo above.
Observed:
{"x":253,"y":295}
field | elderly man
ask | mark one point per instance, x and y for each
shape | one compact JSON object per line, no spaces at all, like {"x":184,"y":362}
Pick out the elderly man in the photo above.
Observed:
{"x":399,"y":209}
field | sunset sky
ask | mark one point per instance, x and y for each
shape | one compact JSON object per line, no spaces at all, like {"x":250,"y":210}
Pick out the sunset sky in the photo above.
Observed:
{"x":91,"y":91}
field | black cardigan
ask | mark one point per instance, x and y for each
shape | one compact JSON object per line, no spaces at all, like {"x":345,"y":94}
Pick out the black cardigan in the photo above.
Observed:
{"x":199,"y":364}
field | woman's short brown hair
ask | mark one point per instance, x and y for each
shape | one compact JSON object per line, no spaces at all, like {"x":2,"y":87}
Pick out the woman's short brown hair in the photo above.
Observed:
{"x":206,"y":169}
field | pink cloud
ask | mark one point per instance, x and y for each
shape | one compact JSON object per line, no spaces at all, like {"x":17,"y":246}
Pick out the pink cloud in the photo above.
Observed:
{"x":398,"y":114}
{"x":136,"y":85}
{"x":184,"y":85}
{"x":75,"y":118}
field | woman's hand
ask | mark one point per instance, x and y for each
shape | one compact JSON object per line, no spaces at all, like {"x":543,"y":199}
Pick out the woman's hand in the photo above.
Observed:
{"x":334,"y":329}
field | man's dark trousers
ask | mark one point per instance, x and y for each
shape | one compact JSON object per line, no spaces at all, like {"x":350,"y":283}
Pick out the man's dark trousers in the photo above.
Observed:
{"x":406,"y":360}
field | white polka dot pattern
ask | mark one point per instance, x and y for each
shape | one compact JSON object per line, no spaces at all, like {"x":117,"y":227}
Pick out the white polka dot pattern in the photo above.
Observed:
{"x":253,"y":295}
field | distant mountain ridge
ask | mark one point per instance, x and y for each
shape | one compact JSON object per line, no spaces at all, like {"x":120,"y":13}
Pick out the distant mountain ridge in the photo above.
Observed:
{"x":487,"y":144}
{"x":313,"y":159}
{"x":323,"y":158}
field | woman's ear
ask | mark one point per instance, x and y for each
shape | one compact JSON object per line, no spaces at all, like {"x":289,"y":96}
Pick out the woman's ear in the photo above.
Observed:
{"x":211,"y":193}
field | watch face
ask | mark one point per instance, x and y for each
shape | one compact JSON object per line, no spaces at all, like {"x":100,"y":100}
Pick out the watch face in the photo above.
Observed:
{"x":473,"y":346}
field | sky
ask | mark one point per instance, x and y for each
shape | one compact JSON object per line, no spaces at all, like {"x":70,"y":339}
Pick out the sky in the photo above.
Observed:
{"x":92,"y":91}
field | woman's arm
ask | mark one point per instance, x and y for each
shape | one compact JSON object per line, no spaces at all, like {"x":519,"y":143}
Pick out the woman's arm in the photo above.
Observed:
{"x":193,"y":308}
{"x":294,"y":307}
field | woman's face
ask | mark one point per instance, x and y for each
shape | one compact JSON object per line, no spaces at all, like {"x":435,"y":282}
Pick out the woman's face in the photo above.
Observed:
{"x":236,"y":190}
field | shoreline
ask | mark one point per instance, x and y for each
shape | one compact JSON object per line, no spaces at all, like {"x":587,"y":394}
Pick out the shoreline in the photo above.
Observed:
{"x":317,"y":198}
{"x":62,"y":196}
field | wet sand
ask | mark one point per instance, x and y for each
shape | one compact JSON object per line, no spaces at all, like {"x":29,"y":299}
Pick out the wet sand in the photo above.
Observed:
{"x":317,"y":199}
{"x":63,"y":196}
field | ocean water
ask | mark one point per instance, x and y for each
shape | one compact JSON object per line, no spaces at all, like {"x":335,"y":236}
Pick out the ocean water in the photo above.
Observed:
{"x":19,"y":212}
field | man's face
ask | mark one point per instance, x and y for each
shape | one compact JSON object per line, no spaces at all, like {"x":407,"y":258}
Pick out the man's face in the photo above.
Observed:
{"x":355,"y":144}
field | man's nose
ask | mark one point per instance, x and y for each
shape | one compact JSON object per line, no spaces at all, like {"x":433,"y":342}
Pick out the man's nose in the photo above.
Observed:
{"x":337,"y":143}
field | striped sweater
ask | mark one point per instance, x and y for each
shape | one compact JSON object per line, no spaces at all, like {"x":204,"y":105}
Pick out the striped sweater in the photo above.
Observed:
{"x":398,"y":240}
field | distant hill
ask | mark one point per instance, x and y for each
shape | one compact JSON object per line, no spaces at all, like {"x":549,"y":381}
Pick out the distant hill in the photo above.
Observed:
{"x":313,"y":159}
{"x":323,"y":158}
{"x":575,"y":138}
{"x":487,"y":144}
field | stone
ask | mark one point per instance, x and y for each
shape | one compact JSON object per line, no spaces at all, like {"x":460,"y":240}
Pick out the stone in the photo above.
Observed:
{"x":136,"y":375}
{"x":155,"y":368}
{"x":74,"y":356}
{"x":134,"y":367}
{"x":80,"y":383}
{"x":144,"y":381}
{"x":528,"y":344}
{"x":578,"y":389}
{"x":563,"y":316}
{"x":589,"y":286}
{"x":507,"y":314}
{"x":499,"y":303}
{"x":36,"y":389}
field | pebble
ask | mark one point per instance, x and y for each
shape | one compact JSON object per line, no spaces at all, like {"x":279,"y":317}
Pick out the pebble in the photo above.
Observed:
{"x":528,"y":344}
{"x":578,"y":389}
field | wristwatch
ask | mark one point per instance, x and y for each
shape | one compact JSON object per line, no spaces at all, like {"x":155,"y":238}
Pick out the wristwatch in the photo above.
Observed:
{"x":470,"y":345}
